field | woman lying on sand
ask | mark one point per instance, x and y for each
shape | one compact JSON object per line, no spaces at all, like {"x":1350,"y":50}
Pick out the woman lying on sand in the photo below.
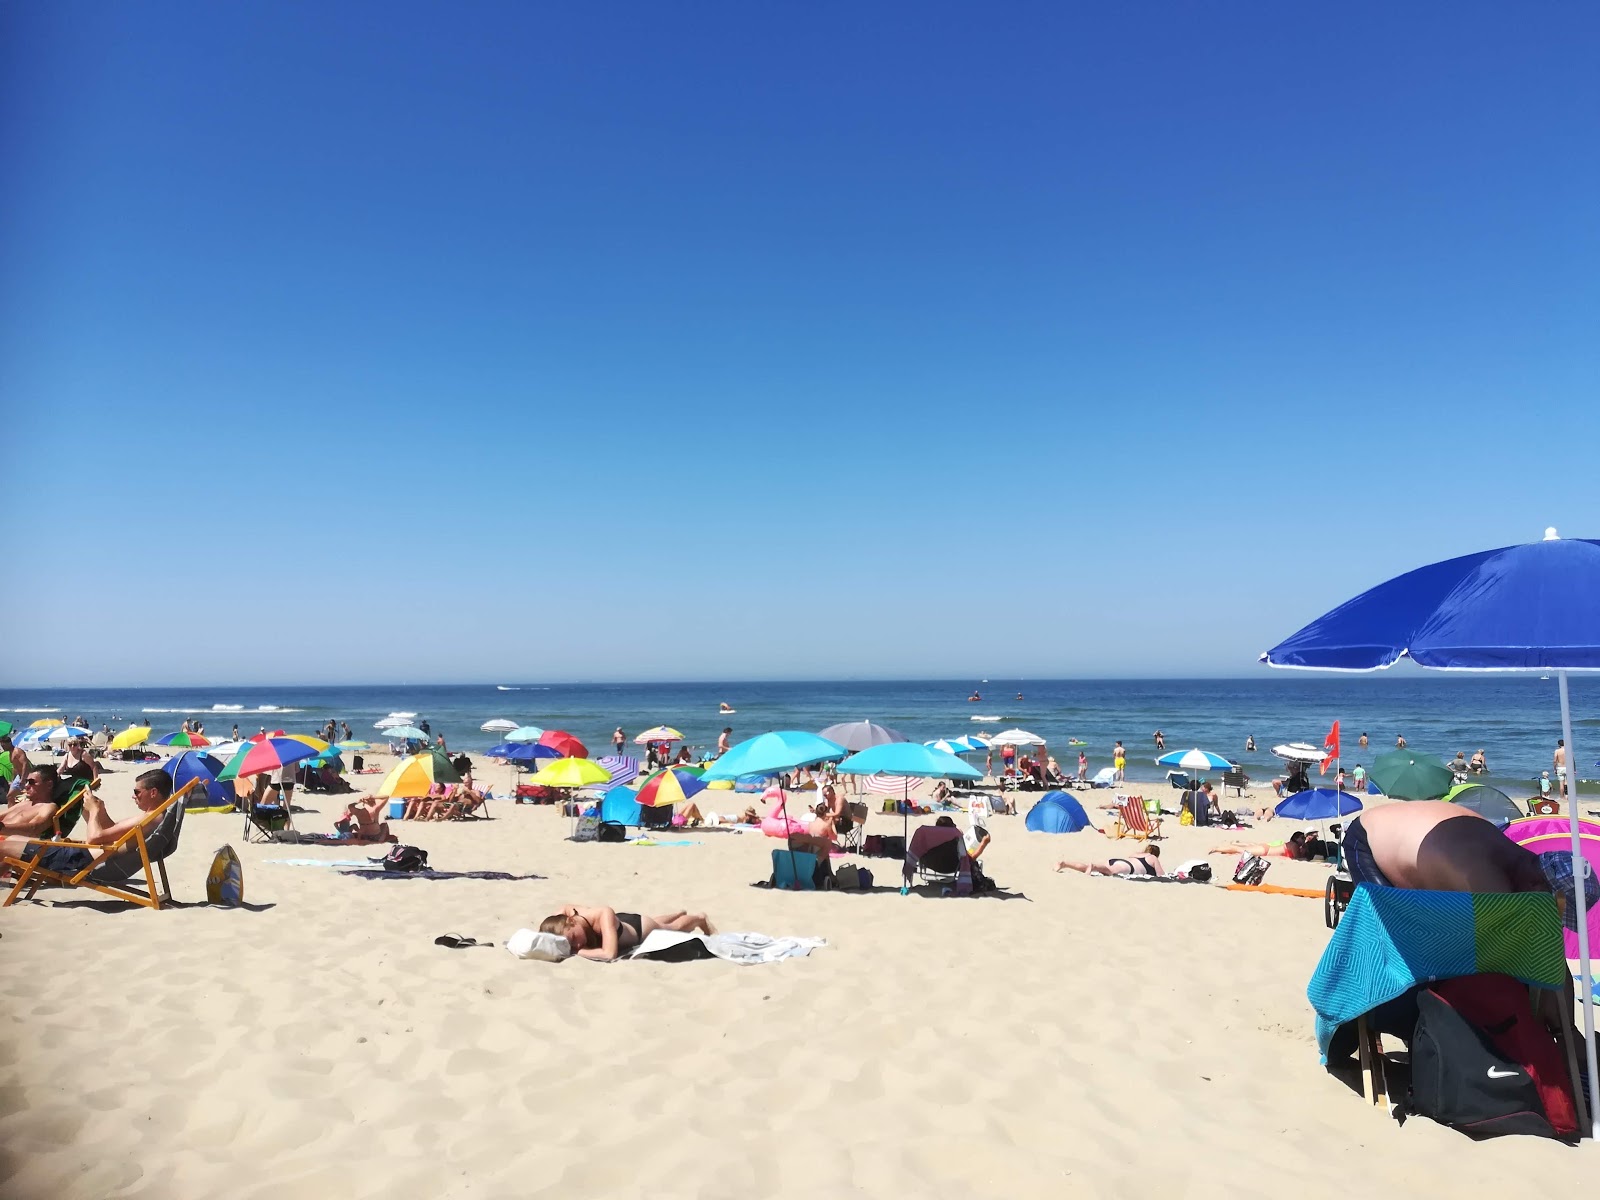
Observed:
{"x":603,"y":933}
{"x":1300,"y":846}
{"x":1146,"y":862}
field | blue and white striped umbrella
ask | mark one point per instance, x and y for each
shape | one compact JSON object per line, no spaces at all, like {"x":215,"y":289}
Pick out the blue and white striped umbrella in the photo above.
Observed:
{"x":948,"y":745}
{"x":1195,"y":760}
{"x":55,"y":733}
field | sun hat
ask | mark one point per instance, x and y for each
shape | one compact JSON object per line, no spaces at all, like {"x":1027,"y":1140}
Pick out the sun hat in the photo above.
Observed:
{"x":1557,"y":867}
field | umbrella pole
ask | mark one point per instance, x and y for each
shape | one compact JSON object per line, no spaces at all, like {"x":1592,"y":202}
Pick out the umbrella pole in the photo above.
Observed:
{"x":1579,"y":866}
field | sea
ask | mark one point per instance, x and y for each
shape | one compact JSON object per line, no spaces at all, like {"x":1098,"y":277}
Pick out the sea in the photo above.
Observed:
{"x":1515,"y":719}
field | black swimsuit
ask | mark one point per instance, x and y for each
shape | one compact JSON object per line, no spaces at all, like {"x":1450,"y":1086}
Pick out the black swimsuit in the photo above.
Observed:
{"x":633,"y":922}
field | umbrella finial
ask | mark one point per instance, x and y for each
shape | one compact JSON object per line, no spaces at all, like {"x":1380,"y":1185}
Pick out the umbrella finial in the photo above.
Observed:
{"x":1550,"y":534}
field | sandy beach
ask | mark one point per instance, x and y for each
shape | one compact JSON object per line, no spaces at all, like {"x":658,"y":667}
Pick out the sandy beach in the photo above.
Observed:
{"x":1086,"y":1035}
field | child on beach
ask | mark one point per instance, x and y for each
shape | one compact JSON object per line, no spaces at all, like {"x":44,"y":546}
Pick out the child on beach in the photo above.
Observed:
{"x":603,"y":933}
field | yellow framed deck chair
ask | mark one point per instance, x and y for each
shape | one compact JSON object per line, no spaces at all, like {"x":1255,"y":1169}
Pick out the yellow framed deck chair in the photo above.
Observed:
{"x":151,"y":840}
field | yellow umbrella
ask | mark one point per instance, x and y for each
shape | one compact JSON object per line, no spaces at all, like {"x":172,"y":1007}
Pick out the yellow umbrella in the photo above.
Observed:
{"x":129,"y":738}
{"x":46,"y":722}
{"x":416,"y":775}
{"x":571,"y":773}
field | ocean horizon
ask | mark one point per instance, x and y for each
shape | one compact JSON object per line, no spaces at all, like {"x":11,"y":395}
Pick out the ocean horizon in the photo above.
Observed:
{"x":1514,"y":719}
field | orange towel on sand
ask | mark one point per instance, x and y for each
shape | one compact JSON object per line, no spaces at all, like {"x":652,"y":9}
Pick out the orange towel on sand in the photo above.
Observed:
{"x":1275,"y":890}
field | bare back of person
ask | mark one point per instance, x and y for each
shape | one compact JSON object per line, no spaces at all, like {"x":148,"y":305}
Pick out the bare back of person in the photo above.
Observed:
{"x":1430,"y":845}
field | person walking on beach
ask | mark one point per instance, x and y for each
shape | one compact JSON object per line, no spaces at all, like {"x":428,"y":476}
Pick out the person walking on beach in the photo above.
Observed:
{"x":1559,"y":761}
{"x":1119,"y":761}
{"x":1083,"y":767}
{"x":619,"y":740}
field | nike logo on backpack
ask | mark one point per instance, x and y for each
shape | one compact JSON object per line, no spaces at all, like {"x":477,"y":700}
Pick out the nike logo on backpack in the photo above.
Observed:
{"x":1495,"y":1073}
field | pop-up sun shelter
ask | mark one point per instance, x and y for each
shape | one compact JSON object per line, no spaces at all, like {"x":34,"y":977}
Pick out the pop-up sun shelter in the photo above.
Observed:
{"x":1057,"y":812}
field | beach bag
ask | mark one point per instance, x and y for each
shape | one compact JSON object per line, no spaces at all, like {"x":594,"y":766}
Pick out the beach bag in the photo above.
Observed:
{"x":873,"y":845}
{"x":612,"y":831}
{"x":405,"y":859}
{"x":1481,"y":1062}
{"x":847,"y":878}
{"x":225,"y":880}
{"x":588,"y":830}
{"x":894,"y":846}
{"x":864,"y":878}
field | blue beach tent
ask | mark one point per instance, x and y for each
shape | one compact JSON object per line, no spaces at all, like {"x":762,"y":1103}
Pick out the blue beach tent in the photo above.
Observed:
{"x":1057,"y":812}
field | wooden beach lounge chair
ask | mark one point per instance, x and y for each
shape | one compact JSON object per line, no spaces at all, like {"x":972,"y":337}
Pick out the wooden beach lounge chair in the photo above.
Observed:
{"x":115,"y":866}
{"x":1134,"y":819}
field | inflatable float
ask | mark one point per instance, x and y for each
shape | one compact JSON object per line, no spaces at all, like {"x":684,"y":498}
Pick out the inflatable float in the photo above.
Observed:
{"x":775,"y":824}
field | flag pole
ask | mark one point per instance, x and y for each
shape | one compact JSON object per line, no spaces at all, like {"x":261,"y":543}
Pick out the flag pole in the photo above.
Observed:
{"x":1580,"y":867}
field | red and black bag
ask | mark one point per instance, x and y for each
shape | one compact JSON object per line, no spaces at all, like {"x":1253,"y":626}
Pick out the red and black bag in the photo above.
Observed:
{"x":1483,"y":1063}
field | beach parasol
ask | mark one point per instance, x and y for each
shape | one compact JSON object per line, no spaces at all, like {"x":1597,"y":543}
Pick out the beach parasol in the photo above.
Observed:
{"x":1533,"y":607}
{"x":1301,"y":752}
{"x":909,"y":760}
{"x":1016,"y":737}
{"x":181,"y":738}
{"x":1318,"y":804}
{"x":1490,"y":803}
{"x":255,"y":757}
{"x":672,"y":787}
{"x":862,"y":735}
{"x":63,"y":733}
{"x":1195,"y":760}
{"x":190,"y":765}
{"x":7,"y":728}
{"x":948,"y":746}
{"x":661,"y":733}
{"x":1408,"y":775}
{"x":129,"y":738}
{"x":772,"y":754}
{"x":394,"y":720}
{"x":498,"y":725}
{"x":416,"y":774}
{"x":524,"y":733}
{"x":624,"y":768}
{"x":406,"y":733}
{"x":560,"y":739}
{"x":46,"y":722}
{"x":355,"y":745}
{"x":574,"y":772}
{"x":1544,"y":834}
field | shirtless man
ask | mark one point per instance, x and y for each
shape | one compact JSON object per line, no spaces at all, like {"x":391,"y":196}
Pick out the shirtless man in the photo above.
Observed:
{"x":31,"y":810}
{"x":18,"y":758}
{"x":1558,"y":760}
{"x":722,"y":741}
{"x":1146,"y":862}
{"x":150,"y":791}
{"x":603,"y":933}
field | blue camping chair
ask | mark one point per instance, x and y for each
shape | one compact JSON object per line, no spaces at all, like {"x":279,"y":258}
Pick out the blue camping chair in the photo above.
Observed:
{"x":794,"y":870}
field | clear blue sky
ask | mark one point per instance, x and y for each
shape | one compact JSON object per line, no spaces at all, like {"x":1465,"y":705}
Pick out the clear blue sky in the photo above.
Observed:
{"x":366,"y":342}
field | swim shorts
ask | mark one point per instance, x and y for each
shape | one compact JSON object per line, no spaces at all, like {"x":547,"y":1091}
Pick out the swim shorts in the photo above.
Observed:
{"x":1358,"y":857}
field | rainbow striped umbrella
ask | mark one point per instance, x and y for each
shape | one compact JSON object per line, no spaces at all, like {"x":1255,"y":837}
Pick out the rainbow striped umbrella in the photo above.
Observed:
{"x":255,"y":757}
{"x":415,"y":775}
{"x":192,"y":740}
{"x":671,"y":787}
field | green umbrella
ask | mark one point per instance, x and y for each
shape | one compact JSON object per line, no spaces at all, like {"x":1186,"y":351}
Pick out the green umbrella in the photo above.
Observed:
{"x":6,"y":728}
{"x":1410,"y":775}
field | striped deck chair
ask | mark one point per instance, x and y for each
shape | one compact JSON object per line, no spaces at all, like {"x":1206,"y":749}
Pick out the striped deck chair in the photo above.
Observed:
{"x":114,"y":866}
{"x":1392,"y":939}
{"x":1134,"y":819}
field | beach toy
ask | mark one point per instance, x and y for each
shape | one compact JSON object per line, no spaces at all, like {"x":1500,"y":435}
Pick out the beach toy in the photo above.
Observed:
{"x":774,"y":824}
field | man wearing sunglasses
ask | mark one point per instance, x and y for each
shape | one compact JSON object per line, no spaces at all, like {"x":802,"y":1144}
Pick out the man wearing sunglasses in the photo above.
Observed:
{"x":33,"y":807}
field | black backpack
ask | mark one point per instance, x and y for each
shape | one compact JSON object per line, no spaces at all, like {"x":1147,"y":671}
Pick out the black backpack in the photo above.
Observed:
{"x":406,"y":859}
{"x":1461,"y":1078}
{"x":612,"y":831}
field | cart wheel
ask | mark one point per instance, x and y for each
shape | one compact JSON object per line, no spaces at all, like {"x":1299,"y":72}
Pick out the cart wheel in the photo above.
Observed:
{"x":1332,"y":910}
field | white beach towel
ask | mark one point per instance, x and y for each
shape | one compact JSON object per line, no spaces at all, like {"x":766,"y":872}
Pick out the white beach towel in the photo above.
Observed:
{"x":745,"y":949}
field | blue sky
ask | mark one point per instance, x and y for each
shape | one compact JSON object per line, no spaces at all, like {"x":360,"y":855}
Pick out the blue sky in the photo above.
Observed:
{"x":739,"y":341}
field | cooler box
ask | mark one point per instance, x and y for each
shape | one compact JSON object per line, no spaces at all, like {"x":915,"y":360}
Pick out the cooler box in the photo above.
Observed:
{"x":397,"y":809}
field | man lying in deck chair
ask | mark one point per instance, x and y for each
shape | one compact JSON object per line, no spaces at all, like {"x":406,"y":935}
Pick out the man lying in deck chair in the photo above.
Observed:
{"x":116,"y":850}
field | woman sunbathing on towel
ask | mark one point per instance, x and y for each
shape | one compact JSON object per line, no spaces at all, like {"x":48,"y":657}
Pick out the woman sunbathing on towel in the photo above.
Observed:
{"x":1300,"y":846}
{"x":604,"y":934}
{"x":1146,"y":862}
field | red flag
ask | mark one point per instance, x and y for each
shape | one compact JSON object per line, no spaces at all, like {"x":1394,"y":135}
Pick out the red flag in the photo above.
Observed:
{"x":1331,"y":745}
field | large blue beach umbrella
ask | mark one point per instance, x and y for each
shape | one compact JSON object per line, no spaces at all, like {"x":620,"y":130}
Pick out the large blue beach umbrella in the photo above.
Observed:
{"x":772,"y":754}
{"x":1534,"y":607}
{"x":908,"y":760}
{"x":193,"y":764}
{"x":1318,"y":804}
{"x":1195,"y":760}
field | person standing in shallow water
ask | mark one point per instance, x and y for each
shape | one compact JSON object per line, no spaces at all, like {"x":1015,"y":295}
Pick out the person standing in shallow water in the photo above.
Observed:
{"x":619,"y":740}
{"x":1161,"y":740}
{"x":1399,"y":741}
{"x":1249,"y":743}
{"x":1363,"y":741}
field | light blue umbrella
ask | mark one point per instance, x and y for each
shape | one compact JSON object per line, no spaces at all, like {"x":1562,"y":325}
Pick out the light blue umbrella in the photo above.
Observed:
{"x":774,"y":753}
{"x":948,"y":746}
{"x":406,"y":733}
{"x":1195,"y":760}
{"x":909,"y":760}
{"x":525,"y":733}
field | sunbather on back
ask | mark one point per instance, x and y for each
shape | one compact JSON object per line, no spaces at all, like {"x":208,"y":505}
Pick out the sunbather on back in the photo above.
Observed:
{"x":604,"y":934}
{"x":1146,"y":862}
{"x":150,"y":791}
